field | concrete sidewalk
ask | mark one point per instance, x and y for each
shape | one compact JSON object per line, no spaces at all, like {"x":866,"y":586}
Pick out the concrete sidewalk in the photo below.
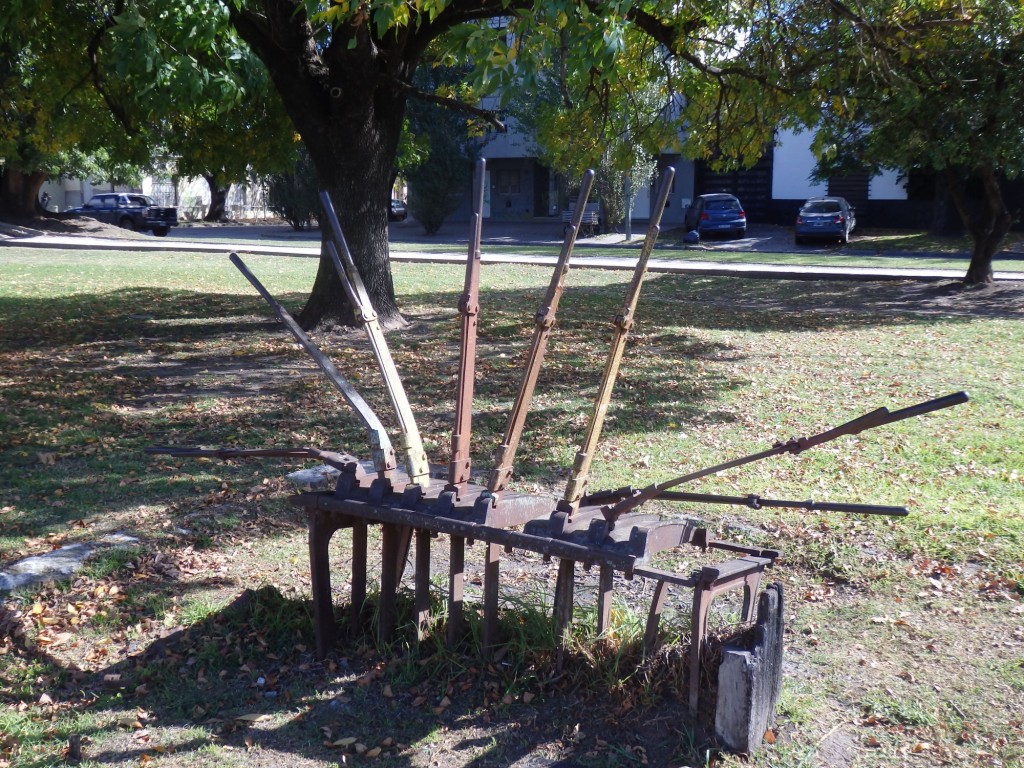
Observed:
{"x":307,"y":245}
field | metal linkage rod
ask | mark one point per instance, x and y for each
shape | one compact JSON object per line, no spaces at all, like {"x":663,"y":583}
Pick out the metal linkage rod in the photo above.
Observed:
{"x":622,"y":324}
{"x":366,"y":316}
{"x":469,"y":308}
{"x":330,"y":458}
{"x":753,"y":501}
{"x":504,"y":457}
{"x":382,"y":453}
{"x":870,"y":420}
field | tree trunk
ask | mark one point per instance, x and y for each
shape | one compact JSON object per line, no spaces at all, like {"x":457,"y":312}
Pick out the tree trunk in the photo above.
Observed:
{"x":349,"y":114}
{"x":987,"y":225}
{"x":218,"y":199}
{"x":940,"y":213}
{"x":19,"y":191}
{"x":354,"y":159}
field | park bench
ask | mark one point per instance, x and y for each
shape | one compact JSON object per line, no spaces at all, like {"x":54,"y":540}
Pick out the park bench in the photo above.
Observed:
{"x":589,"y":222}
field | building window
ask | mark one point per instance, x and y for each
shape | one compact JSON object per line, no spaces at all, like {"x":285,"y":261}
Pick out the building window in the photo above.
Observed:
{"x":508,"y":183}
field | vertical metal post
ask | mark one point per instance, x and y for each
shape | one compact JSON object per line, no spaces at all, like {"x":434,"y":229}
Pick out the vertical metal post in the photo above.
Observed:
{"x":456,"y":582}
{"x":469,"y":308}
{"x":605,"y":595}
{"x":422,"y":598}
{"x":492,"y":555}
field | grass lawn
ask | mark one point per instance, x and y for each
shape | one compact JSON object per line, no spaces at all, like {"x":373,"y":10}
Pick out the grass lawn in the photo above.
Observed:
{"x":905,"y":637}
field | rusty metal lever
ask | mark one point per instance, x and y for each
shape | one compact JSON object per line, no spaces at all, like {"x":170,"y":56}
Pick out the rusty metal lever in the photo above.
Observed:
{"x":380,"y":445}
{"x":469,"y":308}
{"x":352,"y":282}
{"x":545,"y":320}
{"x":623,"y":322}
{"x":870,"y":420}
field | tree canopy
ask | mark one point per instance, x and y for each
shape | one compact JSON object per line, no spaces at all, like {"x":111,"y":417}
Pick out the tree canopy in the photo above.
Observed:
{"x":923,"y":84}
{"x":182,"y":72}
{"x":345,"y":72}
{"x":107,"y":90}
{"x":52,"y":121}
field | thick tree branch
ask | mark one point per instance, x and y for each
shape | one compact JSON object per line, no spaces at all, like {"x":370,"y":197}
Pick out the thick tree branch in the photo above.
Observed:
{"x":460,"y":106}
{"x":97,"y":77}
{"x":281,"y":39}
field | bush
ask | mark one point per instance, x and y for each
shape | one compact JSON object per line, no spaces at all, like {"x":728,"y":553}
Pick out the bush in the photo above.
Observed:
{"x":294,"y":196}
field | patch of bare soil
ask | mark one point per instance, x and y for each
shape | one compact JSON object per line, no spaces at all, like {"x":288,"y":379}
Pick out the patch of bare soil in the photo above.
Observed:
{"x":69,"y":224}
{"x":1002,"y":299}
{"x":897,"y":297}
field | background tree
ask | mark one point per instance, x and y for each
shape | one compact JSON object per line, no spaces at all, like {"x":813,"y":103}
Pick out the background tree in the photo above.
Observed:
{"x":293,"y":195}
{"x":928,"y":84}
{"x":616,"y":124}
{"x":191,"y":78}
{"x":446,"y":142}
{"x":52,"y":121}
{"x":345,"y":70}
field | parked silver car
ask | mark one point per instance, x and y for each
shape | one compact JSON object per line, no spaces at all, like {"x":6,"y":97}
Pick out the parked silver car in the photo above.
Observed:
{"x":825,"y":217}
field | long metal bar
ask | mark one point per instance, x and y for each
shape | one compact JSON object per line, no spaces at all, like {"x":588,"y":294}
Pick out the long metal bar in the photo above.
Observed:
{"x":504,"y":457}
{"x":622,"y":324}
{"x":330,"y":458}
{"x":875,"y":418}
{"x":380,"y":445}
{"x":753,"y":501}
{"x":469,"y":308}
{"x":366,"y":316}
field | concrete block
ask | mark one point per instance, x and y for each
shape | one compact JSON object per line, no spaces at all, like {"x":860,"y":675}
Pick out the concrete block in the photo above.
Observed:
{"x":749,"y":679}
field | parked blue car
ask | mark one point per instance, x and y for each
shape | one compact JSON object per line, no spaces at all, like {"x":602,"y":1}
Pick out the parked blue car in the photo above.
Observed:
{"x":825,"y":217}
{"x":717,"y":212}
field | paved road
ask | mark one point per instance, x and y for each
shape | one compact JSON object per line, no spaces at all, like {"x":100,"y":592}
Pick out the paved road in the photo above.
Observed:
{"x":766,"y":240}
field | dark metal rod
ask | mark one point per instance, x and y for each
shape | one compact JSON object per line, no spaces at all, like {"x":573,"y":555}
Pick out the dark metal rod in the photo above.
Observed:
{"x":380,"y":445}
{"x":753,"y":501}
{"x":872,"y":419}
{"x":331,"y":458}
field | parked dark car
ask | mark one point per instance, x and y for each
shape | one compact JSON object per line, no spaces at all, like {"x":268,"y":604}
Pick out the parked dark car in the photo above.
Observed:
{"x":717,"y":212}
{"x":398,"y":210}
{"x":825,"y":217}
{"x":130,"y":210}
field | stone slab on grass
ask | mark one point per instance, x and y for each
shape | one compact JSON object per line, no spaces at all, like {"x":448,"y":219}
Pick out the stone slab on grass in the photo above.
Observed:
{"x":60,"y":563}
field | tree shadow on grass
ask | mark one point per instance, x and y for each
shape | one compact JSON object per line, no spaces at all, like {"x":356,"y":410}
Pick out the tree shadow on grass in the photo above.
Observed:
{"x":244,"y":677}
{"x":108,"y":374}
{"x":90,"y":397}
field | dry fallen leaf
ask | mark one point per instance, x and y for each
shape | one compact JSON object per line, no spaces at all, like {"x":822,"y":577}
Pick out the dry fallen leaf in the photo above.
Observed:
{"x":253,"y":718}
